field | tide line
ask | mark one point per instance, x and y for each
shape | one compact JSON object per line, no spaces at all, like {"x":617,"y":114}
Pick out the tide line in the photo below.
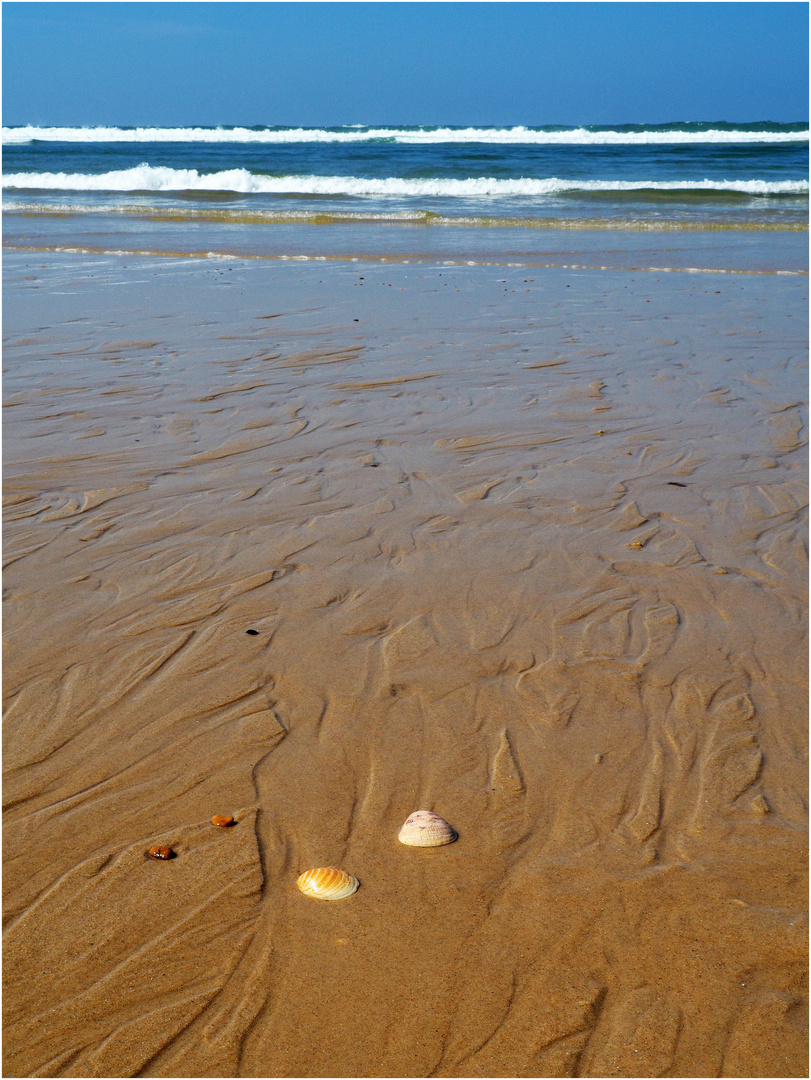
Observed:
{"x":390,"y":259}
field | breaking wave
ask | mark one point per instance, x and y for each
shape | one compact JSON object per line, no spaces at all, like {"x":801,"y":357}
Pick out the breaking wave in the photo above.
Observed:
{"x":150,"y":178}
{"x":581,"y":136}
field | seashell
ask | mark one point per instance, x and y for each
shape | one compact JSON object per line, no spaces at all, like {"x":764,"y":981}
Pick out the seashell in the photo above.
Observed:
{"x":222,"y":820}
{"x":161,"y":853}
{"x":327,"y":883}
{"x":424,"y":828}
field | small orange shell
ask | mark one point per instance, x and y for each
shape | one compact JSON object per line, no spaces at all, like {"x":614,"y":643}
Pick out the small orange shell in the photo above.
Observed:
{"x":161,"y":853}
{"x":424,"y":828}
{"x":222,"y":820}
{"x":327,"y":883}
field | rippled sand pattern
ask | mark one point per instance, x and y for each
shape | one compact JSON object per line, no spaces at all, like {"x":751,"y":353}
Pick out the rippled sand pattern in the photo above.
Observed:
{"x":529,"y":554}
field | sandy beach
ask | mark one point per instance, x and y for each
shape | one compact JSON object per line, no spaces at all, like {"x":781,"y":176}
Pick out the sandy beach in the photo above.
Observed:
{"x":318,"y":544}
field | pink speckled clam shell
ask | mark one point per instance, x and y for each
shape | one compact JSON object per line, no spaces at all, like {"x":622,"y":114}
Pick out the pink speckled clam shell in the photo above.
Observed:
{"x":424,"y":828}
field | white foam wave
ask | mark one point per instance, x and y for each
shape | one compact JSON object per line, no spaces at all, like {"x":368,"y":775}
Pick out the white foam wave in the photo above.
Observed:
{"x":572,"y":136}
{"x":150,"y":178}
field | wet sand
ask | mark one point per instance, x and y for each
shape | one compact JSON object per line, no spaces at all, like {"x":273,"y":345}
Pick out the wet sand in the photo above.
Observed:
{"x":523,"y":547}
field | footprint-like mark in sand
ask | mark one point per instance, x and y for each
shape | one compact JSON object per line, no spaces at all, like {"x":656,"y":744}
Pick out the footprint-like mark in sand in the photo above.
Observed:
{"x":510,"y":821}
{"x":730,"y":762}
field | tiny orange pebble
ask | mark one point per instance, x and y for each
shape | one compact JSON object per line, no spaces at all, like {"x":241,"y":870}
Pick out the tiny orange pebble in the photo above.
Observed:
{"x":161,"y":853}
{"x":223,"y":820}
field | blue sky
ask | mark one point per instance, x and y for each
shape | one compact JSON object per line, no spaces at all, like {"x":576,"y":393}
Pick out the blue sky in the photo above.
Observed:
{"x":320,"y":64}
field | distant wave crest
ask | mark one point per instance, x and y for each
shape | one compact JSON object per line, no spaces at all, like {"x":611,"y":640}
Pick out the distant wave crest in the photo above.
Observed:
{"x":662,"y":134}
{"x":150,"y":178}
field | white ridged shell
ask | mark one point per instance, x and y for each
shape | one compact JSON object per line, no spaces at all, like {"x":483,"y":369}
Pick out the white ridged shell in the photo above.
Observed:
{"x":424,"y":828}
{"x":327,"y":883}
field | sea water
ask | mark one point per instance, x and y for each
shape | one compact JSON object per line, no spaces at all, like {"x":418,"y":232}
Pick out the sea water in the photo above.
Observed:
{"x":678,"y":196}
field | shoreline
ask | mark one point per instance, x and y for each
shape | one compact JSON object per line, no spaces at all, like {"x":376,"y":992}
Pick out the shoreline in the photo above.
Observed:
{"x":660,"y":250}
{"x":416,"y":260}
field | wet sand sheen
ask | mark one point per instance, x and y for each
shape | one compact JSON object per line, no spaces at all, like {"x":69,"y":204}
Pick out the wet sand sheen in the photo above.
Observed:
{"x":528,"y":554}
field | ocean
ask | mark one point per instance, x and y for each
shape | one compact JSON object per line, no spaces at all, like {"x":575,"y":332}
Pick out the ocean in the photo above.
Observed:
{"x":716,"y":195}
